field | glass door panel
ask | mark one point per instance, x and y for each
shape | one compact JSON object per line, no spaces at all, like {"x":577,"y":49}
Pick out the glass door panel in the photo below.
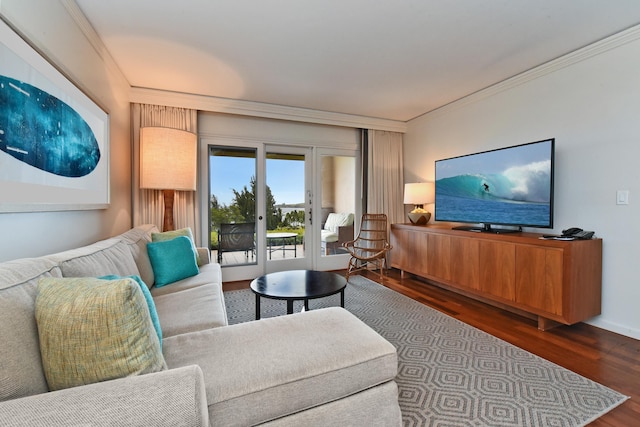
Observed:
{"x":287,"y":204}
{"x":232,"y":205}
{"x":338,"y":192}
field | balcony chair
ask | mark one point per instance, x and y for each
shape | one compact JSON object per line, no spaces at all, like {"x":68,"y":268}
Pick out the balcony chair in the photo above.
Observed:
{"x":236,"y":237}
{"x":371,"y":245}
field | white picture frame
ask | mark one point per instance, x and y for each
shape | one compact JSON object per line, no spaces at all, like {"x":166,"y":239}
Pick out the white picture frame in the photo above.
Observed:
{"x":36,"y":173}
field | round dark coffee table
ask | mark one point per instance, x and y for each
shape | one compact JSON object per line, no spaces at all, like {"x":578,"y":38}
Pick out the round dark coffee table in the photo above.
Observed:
{"x":297,"y":285}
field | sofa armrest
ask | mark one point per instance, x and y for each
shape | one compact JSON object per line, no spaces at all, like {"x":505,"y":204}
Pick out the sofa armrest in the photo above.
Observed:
{"x":174,"y":397}
{"x":205,"y":255}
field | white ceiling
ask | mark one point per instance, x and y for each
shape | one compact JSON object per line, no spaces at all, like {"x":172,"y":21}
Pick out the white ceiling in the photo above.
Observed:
{"x":392,"y":59}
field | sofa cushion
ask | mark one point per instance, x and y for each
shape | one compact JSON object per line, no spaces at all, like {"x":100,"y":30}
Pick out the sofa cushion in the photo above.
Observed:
{"x":172,"y":398}
{"x":328,"y":236}
{"x":110,"y":256}
{"x":335,"y":220}
{"x":172,"y":260}
{"x":169,"y":235}
{"x":21,"y":371}
{"x":193,"y":309}
{"x":209,"y":273}
{"x":375,"y":406}
{"x":289,"y":375}
{"x":94,"y":330}
{"x":137,"y":239}
{"x":147,"y":297}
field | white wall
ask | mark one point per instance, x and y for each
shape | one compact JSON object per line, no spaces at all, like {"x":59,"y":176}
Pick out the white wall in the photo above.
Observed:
{"x":592,"y":108}
{"x":345,"y":183}
{"x":50,"y":27}
{"x":277,"y":131}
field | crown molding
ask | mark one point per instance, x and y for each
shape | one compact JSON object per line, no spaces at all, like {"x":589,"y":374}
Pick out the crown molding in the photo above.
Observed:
{"x":94,"y":39}
{"x":259,"y":109}
{"x":605,"y":45}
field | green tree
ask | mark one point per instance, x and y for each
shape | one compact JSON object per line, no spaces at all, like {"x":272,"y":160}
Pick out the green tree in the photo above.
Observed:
{"x":221,"y":213}
{"x":245,"y":202}
{"x":295,"y":218}
{"x":274,"y":216}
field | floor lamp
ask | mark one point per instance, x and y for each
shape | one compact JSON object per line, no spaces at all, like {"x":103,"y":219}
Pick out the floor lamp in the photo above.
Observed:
{"x":168,"y":162}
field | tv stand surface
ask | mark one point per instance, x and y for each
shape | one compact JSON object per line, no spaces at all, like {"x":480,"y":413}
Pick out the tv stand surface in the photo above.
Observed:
{"x":555,"y":282}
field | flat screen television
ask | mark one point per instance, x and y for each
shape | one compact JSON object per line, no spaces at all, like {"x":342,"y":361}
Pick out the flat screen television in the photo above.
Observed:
{"x":511,"y":186}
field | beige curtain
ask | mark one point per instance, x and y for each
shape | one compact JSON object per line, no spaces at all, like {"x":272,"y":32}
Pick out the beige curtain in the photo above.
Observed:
{"x":148,"y":205}
{"x":385,"y":175}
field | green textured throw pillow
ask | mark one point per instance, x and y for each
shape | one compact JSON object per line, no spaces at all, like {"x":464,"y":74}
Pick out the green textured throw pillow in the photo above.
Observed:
{"x":172,"y":260}
{"x":148,"y":298}
{"x":94,"y":330}
{"x":169,"y":235}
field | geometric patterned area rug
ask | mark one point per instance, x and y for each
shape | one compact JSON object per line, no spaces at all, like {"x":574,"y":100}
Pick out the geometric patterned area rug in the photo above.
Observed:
{"x":452,"y":374}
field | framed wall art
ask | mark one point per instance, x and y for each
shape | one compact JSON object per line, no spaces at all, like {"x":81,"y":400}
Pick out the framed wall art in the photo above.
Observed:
{"x":54,"y":140}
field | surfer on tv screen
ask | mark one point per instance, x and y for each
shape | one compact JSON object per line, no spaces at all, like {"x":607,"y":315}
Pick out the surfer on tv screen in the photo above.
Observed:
{"x":486,"y":187}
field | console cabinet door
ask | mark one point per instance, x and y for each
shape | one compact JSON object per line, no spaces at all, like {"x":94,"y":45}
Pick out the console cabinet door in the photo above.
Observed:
{"x":439,"y":257}
{"x":498,"y":269}
{"x":401,"y":248}
{"x":539,"y":278}
{"x":465,"y":262}
{"x":410,"y":251}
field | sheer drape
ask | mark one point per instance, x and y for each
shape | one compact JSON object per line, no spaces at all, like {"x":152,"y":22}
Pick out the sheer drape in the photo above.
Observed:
{"x":148,"y":205}
{"x":385,"y":175}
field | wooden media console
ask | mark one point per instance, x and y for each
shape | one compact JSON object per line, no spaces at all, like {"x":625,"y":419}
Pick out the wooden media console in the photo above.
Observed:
{"x":554,"y":281}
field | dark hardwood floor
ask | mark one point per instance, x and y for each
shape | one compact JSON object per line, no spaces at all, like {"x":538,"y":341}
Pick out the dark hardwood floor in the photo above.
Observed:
{"x":608,"y":358}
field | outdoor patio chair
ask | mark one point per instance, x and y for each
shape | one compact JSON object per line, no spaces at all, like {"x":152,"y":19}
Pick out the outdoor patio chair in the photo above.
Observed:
{"x":371,"y":245}
{"x":237,"y":237}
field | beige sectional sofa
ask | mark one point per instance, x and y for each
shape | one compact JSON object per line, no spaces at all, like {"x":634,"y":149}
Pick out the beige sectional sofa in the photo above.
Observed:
{"x":322,"y":367}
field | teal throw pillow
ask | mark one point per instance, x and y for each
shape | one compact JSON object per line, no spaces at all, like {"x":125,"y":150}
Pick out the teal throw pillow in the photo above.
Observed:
{"x":148,"y":298}
{"x":172,"y":260}
{"x":169,"y":235}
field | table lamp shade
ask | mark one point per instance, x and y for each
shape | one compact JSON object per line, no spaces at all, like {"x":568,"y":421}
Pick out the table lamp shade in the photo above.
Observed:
{"x":418,"y":194}
{"x":168,"y":159}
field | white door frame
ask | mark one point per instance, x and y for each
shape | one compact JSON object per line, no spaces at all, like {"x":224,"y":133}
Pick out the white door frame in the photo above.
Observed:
{"x":257,"y":267}
{"x":313,"y":257}
{"x":299,"y":262}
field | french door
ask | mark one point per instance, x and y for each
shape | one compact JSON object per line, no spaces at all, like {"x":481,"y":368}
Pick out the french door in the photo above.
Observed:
{"x":338,"y":191}
{"x":288,"y":177}
{"x":267,"y":204}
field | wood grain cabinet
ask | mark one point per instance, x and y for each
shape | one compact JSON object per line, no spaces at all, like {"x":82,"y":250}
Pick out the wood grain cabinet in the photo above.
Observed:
{"x":556,"y":282}
{"x":465,"y":262}
{"x":439,"y":266}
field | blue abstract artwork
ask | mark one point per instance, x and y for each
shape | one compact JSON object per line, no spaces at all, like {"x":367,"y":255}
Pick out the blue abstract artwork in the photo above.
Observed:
{"x":44,"y":132}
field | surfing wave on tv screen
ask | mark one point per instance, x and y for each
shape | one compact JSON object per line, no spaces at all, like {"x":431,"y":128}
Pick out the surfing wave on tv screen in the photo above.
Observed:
{"x":518,"y":194}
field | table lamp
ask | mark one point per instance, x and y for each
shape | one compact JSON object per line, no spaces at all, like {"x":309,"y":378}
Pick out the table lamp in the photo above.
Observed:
{"x":168,"y":162}
{"x":419,"y":194}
